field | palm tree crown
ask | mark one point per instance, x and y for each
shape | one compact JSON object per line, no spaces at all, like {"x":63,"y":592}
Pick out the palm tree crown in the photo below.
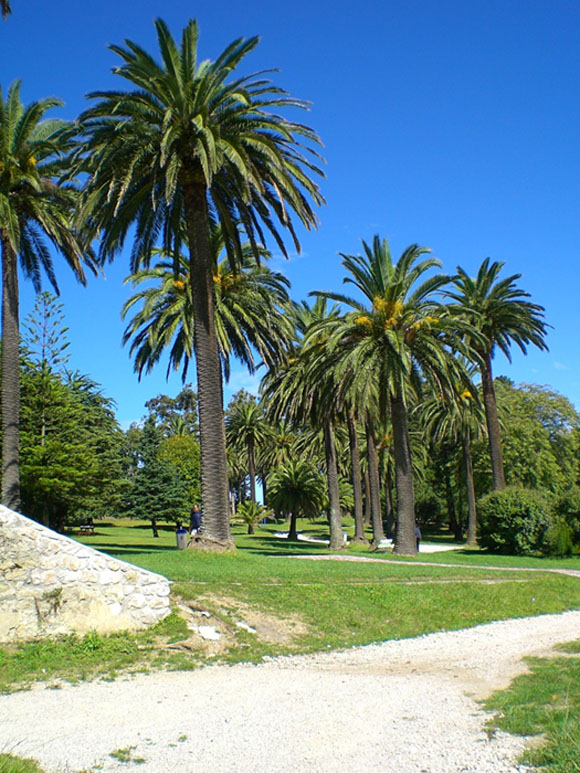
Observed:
{"x":400,"y":334}
{"x":251,"y":301}
{"x":499,"y":310}
{"x":183,"y":126}
{"x":296,"y":489}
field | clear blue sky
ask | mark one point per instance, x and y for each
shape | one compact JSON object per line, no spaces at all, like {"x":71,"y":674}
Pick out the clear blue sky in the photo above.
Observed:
{"x":452,"y":124}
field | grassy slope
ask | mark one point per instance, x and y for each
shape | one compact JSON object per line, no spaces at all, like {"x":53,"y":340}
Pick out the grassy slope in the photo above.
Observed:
{"x":346,"y":603}
{"x":340,"y":603}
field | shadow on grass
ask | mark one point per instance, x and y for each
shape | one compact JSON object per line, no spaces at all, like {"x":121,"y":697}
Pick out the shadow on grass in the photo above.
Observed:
{"x":269,"y":545}
{"x":437,"y":538}
{"x":133,"y":549}
{"x":147,"y":527}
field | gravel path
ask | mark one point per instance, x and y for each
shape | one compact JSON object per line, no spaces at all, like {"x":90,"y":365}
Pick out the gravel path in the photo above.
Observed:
{"x":403,"y":706}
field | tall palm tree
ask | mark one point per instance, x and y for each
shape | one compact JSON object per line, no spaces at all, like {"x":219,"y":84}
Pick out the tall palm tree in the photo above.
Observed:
{"x":276,"y":448}
{"x":403,"y":341}
{"x":192,"y":142}
{"x":5,"y":8}
{"x":355,"y":469}
{"x":502,"y":315}
{"x":246,"y":426}
{"x":322,"y":383}
{"x":34,"y":209}
{"x":293,"y":391}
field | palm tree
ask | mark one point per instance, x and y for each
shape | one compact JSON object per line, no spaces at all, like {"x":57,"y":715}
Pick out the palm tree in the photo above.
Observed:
{"x":276,"y":448}
{"x":296,"y":489}
{"x":246,"y":426}
{"x":192,"y":143}
{"x":394,"y":348}
{"x":457,"y":418}
{"x":251,"y":514}
{"x":501,"y":315}
{"x":33,"y":208}
{"x":250,"y":315}
{"x":5,"y":8}
{"x":294,"y":391}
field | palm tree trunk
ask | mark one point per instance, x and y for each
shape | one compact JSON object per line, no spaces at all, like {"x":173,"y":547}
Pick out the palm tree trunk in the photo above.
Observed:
{"x":264,"y":489}
{"x":10,"y":377}
{"x":367,"y":508}
{"x":405,"y":541}
{"x":389,"y":501}
{"x":292,"y":529}
{"x":334,"y":517}
{"x":454,"y":525}
{"x":374,"y":484}
{"x":493,"y":433}
{"x":252,"y":472}
{"x":471,"y":507}
{"x":359,"y":531}
{"x":215,"y":526}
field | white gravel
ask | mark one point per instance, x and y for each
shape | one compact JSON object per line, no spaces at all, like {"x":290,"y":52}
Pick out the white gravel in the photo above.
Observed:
{"x":402,"y":706}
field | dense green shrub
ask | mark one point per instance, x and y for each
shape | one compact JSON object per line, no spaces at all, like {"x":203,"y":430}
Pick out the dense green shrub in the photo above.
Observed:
{"x":559,"y":538}
{"x":567,"y":506}
{"x":563,"y":536}
{"x":515,"y":521}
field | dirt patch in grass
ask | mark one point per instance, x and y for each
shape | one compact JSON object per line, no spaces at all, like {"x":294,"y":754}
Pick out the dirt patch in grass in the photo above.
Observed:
{"x":218,"y":624}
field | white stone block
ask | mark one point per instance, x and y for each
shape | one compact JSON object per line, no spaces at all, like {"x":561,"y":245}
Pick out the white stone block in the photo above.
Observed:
{"x":159,"y":603}
{"x":107,"y":576}
{"x":136,"y":601}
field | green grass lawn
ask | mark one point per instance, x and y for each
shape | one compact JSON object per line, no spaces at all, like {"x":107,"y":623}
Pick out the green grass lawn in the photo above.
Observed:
{"x":344,"y":603}
{"x":545,"y":701}
{"x":12,"y":764}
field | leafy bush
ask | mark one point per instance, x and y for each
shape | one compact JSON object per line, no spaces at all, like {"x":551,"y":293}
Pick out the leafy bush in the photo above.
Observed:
{"x":559,"y":539}
{"x":567,"y":507}
{"x":515,"y":521}
{"x":563,"y":536}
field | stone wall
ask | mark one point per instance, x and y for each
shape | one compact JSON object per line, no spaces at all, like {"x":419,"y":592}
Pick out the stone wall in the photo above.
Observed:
{"x":50,"y":584}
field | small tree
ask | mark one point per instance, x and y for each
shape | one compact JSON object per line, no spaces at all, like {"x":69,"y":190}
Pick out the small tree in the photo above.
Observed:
{"x":297,"y":489}
{"x":157,"y":492}
{"x":515,"y":521}
{"x":251,"y":514}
